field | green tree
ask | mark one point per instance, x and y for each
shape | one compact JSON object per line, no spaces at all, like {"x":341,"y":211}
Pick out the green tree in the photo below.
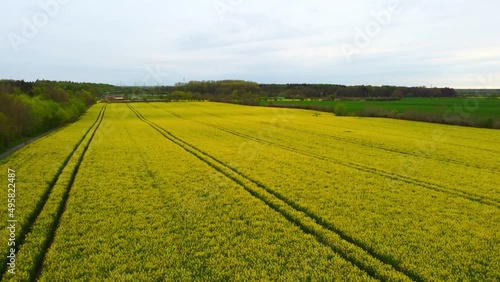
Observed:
{"x":236,"y":95}
{"x":398,"y":94}
{"x":340,"y":110}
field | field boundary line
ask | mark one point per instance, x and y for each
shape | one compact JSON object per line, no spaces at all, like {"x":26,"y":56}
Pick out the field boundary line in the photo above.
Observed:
{"x":27,"y":227}
{"x":309,"y":223}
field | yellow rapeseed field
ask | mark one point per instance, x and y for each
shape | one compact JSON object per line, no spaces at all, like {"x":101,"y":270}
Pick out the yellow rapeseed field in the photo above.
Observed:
{"x":217,"y":192}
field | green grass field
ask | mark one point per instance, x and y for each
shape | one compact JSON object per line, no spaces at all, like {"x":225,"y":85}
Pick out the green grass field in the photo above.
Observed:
{"x":486,"y":108}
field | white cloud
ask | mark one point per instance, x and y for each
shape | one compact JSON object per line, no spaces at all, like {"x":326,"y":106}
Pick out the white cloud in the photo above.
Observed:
{"x":442,"y":43}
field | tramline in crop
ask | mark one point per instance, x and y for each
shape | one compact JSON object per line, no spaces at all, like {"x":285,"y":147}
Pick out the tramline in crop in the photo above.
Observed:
{"x":197,"y":191}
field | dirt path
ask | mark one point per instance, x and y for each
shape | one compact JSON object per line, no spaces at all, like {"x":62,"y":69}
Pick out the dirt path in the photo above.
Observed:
{"x":18,"y":147}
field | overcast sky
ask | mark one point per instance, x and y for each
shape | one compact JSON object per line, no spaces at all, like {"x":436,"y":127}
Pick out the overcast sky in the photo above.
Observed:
{"x":414,"y":43}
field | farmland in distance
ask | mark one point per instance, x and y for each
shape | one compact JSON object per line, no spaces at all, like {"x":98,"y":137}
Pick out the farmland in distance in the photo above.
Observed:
{"x":197,"y":191}
{"x":480,"y":107}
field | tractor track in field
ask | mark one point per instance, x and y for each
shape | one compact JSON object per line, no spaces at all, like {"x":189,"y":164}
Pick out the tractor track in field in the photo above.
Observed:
{"x":27,"y":227}
{"x":62,"y":207}
{"x":355,"y":142}
{"x":408,"y":137}
{"x":424,"y":125}
{"x":393,"y":176}
{"x":398,"y":135}
{"x":347,"y":140}
{"x":378,"y":265}
{"x":373,"y":146}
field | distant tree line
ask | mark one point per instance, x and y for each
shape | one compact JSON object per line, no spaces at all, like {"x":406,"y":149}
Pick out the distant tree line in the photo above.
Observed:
{"x":28,"y":109}
{"x":237,"y":90}
{"x":246,"y":92}
{"x":493,"y":93}
{"x":331,"y":92}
